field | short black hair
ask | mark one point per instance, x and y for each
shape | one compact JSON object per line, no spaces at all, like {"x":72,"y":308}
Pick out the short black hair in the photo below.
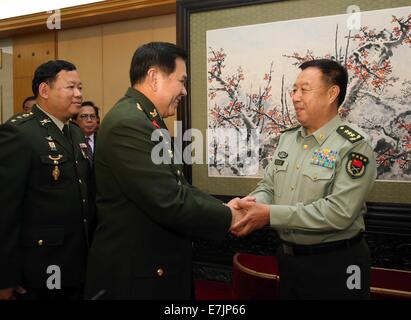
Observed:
{"x":47,"y":72}
{"x":90,"y":104}
{"x":161,"y":54}
{"x":28,"y":99}
{"x":333,"y":72}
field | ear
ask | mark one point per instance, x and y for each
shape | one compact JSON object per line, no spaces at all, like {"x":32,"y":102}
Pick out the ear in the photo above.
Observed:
{"x":333,"y":93}
{"x":44,"y":90}
{"x":152,"y":76}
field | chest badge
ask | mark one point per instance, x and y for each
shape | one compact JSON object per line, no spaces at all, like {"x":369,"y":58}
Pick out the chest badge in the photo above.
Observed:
{"x":83,"y":148}
{"x":282,"y":154}
{"x":324,"y":158}
{"x":356,"y":165}
{"x":56,"y":171}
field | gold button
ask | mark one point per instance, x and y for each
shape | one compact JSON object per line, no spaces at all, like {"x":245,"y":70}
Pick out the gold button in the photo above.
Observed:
{"x":292,"y":188}
{"x":178,"y":172}
{"x":160,"y":272}
{"x":79,"y":180}
{"x":305,"y":147}
{"x":321,"y":136}
{"x":40,"y":242}
{"x":84,"y":200}
{"x":315,"y":177}
{"x":298,"y":167}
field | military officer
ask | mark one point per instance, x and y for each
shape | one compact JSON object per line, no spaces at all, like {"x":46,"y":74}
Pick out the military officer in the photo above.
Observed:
{"x":43,"y":178}
{"x":147,"y":211}
{"x":313,"y":193}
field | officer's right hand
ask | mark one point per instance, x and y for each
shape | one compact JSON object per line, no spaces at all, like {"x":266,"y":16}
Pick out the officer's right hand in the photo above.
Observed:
{"x":10,"y":293}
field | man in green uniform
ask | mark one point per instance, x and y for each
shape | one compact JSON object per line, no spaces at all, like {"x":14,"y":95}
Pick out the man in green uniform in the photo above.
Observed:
{"x":43,"y":177}
{"x":147,"y":212}
{"x":313,"y":193}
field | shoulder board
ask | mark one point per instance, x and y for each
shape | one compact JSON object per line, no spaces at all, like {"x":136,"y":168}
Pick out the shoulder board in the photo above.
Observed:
{"x":291,"y":129}
{"x":349,"y":133}
{"x":20,"y":118}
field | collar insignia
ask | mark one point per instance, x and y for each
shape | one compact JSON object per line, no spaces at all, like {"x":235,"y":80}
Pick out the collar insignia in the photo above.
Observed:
{"x":44,"y":121}
{"x":153,"y":113}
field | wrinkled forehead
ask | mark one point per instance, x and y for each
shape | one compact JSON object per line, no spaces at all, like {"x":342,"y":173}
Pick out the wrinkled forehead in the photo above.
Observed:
{"x":87,"y":110}
{"x":68,"y":77}
{"x":309,"y":77}
{"x":181,"y":68}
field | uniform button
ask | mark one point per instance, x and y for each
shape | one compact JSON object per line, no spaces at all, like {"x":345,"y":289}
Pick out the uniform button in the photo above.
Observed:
{"x":85,"y":220}
{"x":298,"y":167}
{"x":40,"y":242}
{"x":84,"y":200}
{"x":321,"y":136}
{"x":76,"y":162}
{"x":292,"y":188}
{"x":79,"y":180}
{"x":160,"y":272}
{"x":305,"y":147}
{"x":315,"y":177}
{"x":178,"y":172}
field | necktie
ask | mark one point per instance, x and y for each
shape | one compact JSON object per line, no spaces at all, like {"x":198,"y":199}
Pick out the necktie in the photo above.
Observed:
{"x":89,"y":150}
{"x":66,"y":131}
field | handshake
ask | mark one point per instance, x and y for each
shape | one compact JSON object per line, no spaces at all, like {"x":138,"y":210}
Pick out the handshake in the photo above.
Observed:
{"x":248,"y":215}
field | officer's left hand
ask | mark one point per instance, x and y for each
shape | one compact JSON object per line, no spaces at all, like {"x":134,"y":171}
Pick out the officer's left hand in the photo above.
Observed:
{"x":257,"y":217}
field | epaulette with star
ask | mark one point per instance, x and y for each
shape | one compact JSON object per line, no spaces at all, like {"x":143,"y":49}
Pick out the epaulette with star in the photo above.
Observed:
{"x":20,"y":118}
{"x":291,"y":128}
{"x":349,"y":133}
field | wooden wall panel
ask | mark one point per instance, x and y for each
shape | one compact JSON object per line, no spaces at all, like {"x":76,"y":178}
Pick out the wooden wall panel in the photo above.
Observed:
{"x":120,"y":40}
{"x":28,"y":53}
{"x":6,"y":79}
{"x":21,"y":90}
{"x":83,"y":47}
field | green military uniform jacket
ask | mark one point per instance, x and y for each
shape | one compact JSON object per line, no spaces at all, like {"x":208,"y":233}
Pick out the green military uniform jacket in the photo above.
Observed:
{"x":44,"y":207}
{"x":147,"y":212}
{"x":316,"y":184}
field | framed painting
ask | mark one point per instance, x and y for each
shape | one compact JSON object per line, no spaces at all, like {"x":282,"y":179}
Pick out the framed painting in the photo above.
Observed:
{"x":244,"y":57}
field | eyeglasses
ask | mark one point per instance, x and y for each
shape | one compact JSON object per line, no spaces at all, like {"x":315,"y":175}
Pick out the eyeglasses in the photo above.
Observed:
{"x":85,"y":116}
